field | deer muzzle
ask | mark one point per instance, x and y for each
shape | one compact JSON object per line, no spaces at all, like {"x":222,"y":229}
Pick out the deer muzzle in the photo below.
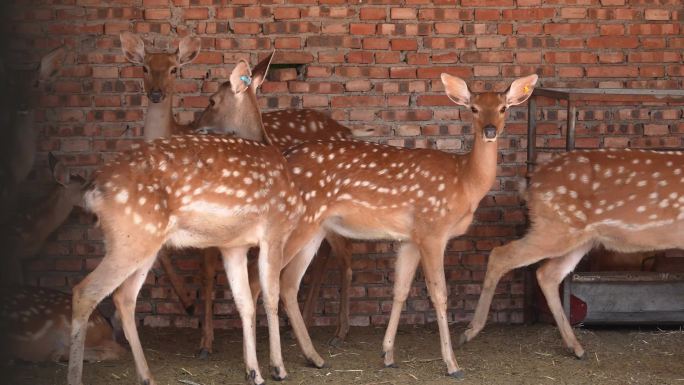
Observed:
{"x":489,"y":133}
{"x":155,"y":96}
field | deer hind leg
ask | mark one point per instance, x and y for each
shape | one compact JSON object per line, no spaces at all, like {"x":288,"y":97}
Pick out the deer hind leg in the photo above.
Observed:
{"x":114,"y":269}
{"x":124,"y":299}
{"x":318,"y":266}
{"x":290,"y":279}
{"x":235,"y":264}
{"x":549,"y":276}
{"x":209,"y":269}
{"x":502,"y":259}
{"x":404,"y":271}
{"x":342,"y":250}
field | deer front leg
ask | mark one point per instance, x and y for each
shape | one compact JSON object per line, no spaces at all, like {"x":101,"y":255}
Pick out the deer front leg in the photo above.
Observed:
{"x":432,"y":260}
{"x":550,"y":275}
{"x":405,"y":269}
{"x":235,"y":264}
{"x":317,"y":272}
{"x":342,"y":250}
{"x":209,"y":270}
{"x":270,"y":259}
{"x":176,"y":281}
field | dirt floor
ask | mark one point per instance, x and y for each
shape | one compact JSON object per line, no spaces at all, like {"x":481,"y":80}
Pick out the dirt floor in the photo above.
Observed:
{"x":500,"y":355}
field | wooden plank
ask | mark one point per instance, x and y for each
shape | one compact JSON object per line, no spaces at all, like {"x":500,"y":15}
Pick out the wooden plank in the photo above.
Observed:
{"x":612,"y":94}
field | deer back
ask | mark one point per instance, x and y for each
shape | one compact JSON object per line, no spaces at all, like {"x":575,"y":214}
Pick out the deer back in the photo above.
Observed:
{"x":629,"y":200}
{"x":197,"y":191}
{"x":287,"y":128}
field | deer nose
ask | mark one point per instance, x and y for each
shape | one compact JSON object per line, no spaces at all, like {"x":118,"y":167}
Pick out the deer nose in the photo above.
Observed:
{"x":490,"y":131}
{"x":155,"y":96}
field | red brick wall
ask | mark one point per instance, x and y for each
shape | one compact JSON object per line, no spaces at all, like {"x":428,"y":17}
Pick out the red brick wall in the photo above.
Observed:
{"x":369,"y":63}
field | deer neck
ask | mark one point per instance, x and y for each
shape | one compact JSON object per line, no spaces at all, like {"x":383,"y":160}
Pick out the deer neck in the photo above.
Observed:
{"x":480,"y":166}
{"x":159,"y":121}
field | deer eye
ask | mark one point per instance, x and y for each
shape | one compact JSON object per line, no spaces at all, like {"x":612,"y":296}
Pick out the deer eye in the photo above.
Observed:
{"x":145,"y":70}
{"x":174,"y":70}
{"x":503,"y":109}
{"x":474,"y":110}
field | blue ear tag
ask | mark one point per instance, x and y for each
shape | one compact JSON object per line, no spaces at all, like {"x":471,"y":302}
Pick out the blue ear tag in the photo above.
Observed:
{"x":246,"y":79}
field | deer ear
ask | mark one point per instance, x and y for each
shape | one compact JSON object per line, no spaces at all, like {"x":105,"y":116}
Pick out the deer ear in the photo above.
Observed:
{"x":133,"y":47}
{"x":241,"y":77}
{"x":58,"y":169}
{"x":456,"y":89}
{"x":520,"y":90}
{"x":51,"y":63}
{"x":188,"y":49}
{"x":261,"y":70}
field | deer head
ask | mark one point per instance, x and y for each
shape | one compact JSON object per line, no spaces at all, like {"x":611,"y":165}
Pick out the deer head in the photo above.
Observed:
{"x":160,"y":69}
{"x":21,"y":89}
{"x":237,"y":94}
{"x":488,"y":108}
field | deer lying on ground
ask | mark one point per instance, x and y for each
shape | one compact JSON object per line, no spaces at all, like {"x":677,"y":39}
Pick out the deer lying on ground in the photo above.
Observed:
{"x":626,"y":200}
{"x":36,"y":323}
{"x":193,"y":191}
{"x":419,"y":197}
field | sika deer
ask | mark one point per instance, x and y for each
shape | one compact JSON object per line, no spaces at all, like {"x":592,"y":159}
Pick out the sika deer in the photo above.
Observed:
{"x":36,"y":323}
{"x":30,"y":230}
{"x":626,"y":200}
{"x":192,"y":191}
{"x":285,"y":129}
{"x":20,"y":92}
{"x":160,"y":71}
{"x":419,"y":197}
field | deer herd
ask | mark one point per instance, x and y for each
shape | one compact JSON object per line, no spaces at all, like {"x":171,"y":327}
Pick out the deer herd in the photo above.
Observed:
{"x":284,"y":182}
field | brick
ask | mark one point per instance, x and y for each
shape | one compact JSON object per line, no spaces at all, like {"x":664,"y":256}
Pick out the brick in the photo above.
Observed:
{"x":403,"y":13}
{"x":373,"y":13}
{"x":196,"y":14}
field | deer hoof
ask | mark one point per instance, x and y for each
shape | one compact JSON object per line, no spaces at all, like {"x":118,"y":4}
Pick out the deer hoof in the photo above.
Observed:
{"x":335,"y":342}
{"x":463,"y":339}
{"x":276,"y":373}
{"x":190,"y":310}
{"x":203,"y":354}
{"x":392,"y":366}
{"x":458,"y":375}
{"x":580,"y":355}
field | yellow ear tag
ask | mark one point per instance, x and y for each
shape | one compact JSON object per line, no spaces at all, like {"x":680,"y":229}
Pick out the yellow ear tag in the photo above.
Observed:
{"x":526,"y":89}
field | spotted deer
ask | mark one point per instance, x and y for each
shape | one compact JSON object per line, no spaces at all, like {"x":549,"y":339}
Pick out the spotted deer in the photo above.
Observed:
{"x":192,"y":191}
{"x":419,"y":197}
{"x":285,"y":129}
{"x":626,"y":200}
{"x":28,"y":231}
{"x":36,"y":323}
{"x":160,"y":70}
{"x":19,"y":95}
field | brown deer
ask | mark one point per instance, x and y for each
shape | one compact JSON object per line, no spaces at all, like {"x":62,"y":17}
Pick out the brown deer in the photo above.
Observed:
{"x":160,"y":70}
{"x":36,"y":323}
{"x":193,"y":191}
{"x":28,"y":231}
{"x":285,"y":129}
{"x":420,"y":197}
{"x":19,"y":95}
{"x":626,"y":200}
